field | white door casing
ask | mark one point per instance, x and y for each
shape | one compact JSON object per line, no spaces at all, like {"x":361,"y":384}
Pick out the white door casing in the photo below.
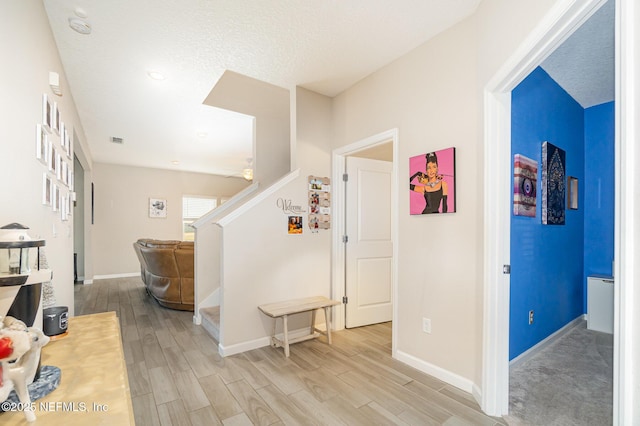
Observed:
{"x":562,"y":20}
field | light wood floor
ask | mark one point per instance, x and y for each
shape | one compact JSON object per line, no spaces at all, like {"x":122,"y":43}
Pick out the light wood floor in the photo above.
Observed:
{"x":177,"y":377}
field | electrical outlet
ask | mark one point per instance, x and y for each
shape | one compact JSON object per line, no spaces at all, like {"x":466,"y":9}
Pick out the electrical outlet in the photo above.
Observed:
{"x":426,"y":325}
{"x":530,"y":317}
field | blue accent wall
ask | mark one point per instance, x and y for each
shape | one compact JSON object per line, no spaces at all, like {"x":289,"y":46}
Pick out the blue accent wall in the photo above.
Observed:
{"x":599,"y":187}
{"x":547,"y":261}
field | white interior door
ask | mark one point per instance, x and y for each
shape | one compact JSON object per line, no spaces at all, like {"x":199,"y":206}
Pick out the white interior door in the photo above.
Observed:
{"x":369,"y":250}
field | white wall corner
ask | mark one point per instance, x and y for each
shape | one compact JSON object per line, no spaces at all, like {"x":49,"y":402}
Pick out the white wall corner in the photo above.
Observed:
{"x":212,"y":300}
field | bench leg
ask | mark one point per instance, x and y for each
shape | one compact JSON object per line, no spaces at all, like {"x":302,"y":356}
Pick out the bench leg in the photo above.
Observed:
{"x":313,"y":322}
{"x":273,"y":334}
{"x":285,"y":331}
{"x":327,"y":321}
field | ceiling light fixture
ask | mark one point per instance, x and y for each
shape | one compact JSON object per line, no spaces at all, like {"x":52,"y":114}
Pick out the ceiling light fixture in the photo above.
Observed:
{"x":175,"y":162}
{"x":80,"y":26}
{"x":156,"y":75}
{"x":247,"y":172}
{"x":202,"y":135}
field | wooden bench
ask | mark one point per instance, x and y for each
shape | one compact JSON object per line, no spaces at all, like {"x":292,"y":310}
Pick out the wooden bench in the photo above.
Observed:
{"x":296,"y":306}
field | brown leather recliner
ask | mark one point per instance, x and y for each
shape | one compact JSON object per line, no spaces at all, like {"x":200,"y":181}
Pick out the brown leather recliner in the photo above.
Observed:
{"x":167,"y":270}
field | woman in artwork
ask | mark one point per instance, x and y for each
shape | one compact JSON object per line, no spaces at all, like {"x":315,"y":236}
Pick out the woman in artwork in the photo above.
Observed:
{"x":431,"y":185}
{"x":295,"y":225}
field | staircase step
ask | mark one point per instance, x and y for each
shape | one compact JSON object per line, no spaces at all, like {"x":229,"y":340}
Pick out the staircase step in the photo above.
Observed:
{"x":211,"y":321}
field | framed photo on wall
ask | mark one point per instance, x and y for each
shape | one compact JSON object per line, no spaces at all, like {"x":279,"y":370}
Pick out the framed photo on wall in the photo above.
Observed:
{"x":572,"y":197}
{"x":46,"y":189}
{"x":294,"y":225}
{"x":157,"y":207}
{"x":432,"y":182}
{"x":47,"y":114}
{"x":41,"y":144}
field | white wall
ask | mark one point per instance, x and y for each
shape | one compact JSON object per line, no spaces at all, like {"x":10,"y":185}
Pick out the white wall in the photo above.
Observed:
{"x":28,"y":54}
{"x":262,"y":262}
{"x":121,"y":216}
{"x":208,"y":260}
{"x":270,"y":105}
{"x":433,"y":95}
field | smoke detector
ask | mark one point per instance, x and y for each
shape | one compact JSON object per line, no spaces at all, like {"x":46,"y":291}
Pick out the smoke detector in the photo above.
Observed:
{"x":80,"y":26}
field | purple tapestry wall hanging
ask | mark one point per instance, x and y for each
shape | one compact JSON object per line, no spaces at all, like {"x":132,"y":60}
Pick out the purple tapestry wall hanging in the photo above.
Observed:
{"x":525,"y":177}
{"x":553,"y":184}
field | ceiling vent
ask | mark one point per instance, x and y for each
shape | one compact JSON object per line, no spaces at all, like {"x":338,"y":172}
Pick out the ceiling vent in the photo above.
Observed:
{"x":117,"y":140}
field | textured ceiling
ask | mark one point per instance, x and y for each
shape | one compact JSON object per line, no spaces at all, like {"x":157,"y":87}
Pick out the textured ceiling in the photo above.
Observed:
{"x":584,"y":64}
{"x":322,"y":45}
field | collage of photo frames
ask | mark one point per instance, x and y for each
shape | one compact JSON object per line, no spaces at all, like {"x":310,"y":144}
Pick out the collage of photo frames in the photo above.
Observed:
{"x":54,"y":151}
{"x":319,"y":190}
{"x":319,"y":203}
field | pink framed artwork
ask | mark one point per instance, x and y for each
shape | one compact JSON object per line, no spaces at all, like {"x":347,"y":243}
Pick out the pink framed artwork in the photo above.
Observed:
{"x":432,"y":182}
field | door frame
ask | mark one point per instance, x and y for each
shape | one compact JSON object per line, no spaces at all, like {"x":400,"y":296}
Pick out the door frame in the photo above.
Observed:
{"x":338,"y":229}
{"x":559,"y":24}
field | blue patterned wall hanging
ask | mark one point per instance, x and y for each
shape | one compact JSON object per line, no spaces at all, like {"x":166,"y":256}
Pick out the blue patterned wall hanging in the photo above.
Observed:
{"x":553,"y":184}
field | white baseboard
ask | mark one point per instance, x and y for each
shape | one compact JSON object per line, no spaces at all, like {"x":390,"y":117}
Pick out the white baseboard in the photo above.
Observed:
{"x":437,"y":372}
{"x":257,"y":343}
{"x":546,"y":342}
{"x":106,"y":277}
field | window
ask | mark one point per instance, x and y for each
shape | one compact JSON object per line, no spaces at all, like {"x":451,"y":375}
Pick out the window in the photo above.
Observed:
{"x":193,"y":208}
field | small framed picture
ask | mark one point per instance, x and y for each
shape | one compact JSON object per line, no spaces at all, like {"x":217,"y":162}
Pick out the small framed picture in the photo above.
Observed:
{"x":55,"y":197}
{"x":46,"y":113}
{"x":51,"y":158}
{"x":55,"y":118}
{"x":64,"y":207}
{"x":157,"y":207}
{"x":572,"y":197}
{"x":67,"y":143}
{"x":64,"y":172}
{"x":46,"y":189}
{"x":58,"y":166}
{"x":63,"y":215}
{"x":62,"y":131}
{"x":295,"y":225}
{"x":41,"y":144}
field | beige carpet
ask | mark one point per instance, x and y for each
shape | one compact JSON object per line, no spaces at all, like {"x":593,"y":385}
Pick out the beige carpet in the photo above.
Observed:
{"x":567,"y":383}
